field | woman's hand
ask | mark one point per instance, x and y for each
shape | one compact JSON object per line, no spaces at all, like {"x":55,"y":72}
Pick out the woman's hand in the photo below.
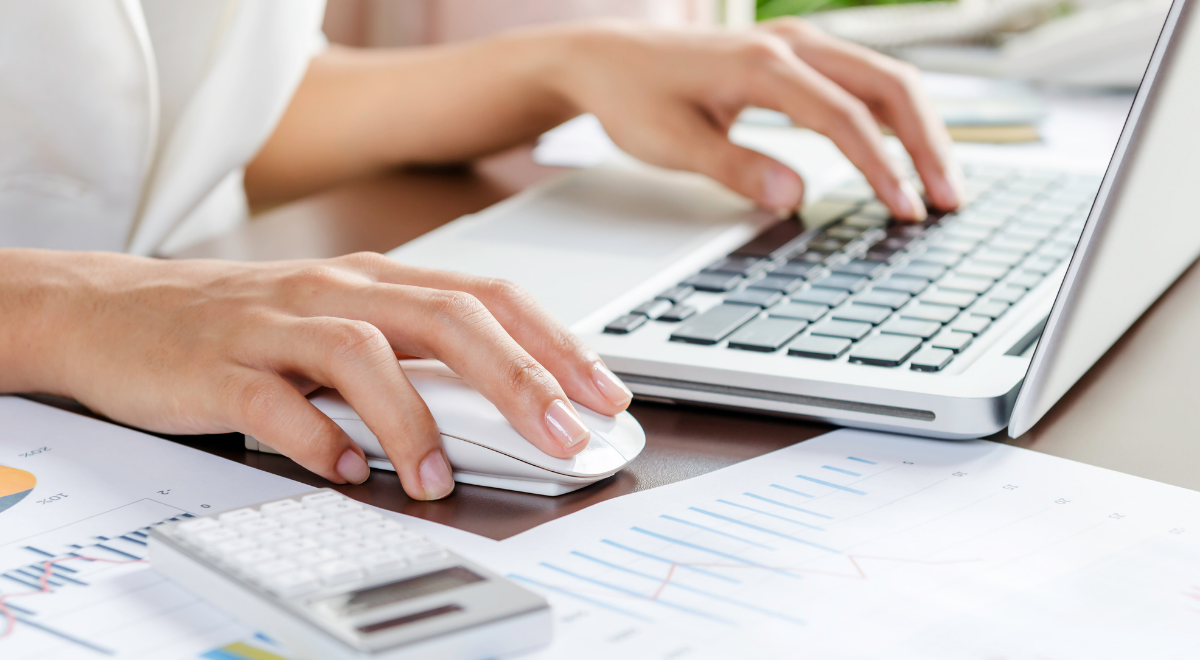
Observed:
{"x":214,"y":347}
{"x":670,"y":97}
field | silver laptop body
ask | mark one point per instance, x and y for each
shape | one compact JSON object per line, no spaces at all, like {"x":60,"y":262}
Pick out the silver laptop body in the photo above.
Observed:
{"x":937,"y":333}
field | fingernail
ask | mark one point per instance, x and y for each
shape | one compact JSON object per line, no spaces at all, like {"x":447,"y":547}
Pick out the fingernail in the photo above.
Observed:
{"x":610,"y":386}
{"x":909,"y":202}
{"x":946,"y":193}
{"x":782,"y":190}
{"x":565,"y":425}
{"x":352,"y":467}
{"x":436,"y":479}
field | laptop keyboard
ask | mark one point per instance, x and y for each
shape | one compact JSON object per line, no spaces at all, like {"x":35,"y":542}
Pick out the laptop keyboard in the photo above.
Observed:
{"x":876,"y":291}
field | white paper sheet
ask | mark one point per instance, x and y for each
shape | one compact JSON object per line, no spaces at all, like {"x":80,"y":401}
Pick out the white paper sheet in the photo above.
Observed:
{"x":867,"y":545}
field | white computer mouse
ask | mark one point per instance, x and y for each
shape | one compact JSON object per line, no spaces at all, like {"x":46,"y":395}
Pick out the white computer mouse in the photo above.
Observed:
{"x":484,"y":449}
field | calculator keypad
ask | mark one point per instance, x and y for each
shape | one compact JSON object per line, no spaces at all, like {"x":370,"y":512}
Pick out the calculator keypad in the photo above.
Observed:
{"x":296,"y":547}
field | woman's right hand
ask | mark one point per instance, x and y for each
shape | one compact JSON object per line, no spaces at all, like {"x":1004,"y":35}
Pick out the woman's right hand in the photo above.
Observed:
{"x":215,"y":347}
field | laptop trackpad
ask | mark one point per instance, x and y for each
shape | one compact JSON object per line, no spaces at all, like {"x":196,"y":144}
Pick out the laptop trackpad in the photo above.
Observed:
{"x":580,"y":241}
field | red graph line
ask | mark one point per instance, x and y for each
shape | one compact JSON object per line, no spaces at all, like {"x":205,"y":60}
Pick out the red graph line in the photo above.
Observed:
{"x":10,"y":619}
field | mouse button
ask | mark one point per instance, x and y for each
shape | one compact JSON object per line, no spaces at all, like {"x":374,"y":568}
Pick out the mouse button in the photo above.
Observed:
{"x":598,"y":458}
{"x":469,"y":457}
{"x":331,"y":402}
{"x":627,"y":436}
{"x":594,"y":420}
{"x":363,"y":437}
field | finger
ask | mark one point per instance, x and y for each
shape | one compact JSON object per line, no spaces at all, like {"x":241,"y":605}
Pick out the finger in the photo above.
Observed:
{"x":268,"y":408}
{"x":893,"y":89}
{"x":786,"y":84}
{"x":456,"y":328}
{"x":577,"y":368}
{"x":356,"y":359}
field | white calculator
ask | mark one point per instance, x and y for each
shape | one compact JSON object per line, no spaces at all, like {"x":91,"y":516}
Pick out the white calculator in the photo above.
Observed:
{"x":331,"y":579}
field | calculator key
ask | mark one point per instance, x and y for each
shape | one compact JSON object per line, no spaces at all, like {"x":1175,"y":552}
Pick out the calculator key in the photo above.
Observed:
{"x":1008,"y":294}
{"x":315,"y":557}
{"x":715,"y":282}
{"x":781,"y":283}
{"x":298,"y":517}
{"x":210,"y":537}
{"x":862,"y":313}
{"x":798,"y":311}
{"x":296,"y":583}
{"x":952,"y":340}
{"x":846,"y":329}
{"x":339,"y":508}
{"x":965,"y":283}
{"x":678,"y":313}
{"x":820,"y":296}
{"x":925,"y":271}
{"x":239,"y":516}
{"x":910,"y":285}
{"x":318,"y":500}
{"x":271,"y":509}
{"x":819,"y":348}
{"x":971,"y":324}
{"x":861,"y":267}
{"x":991,"y":309}
{"x":359,"y":518}
{"x":797,"y":269}
{"x":841,"y":281}
{"x":766,"y":335}
{"x":928,"y":312}
{"x":738,"y":264}
{"x":715,"y":324}
{"x":758,"y":297}
{"x":194,"y":527}
{"x":379,"y":528}
{"x":254,"y":556}
{"x":382,"y":562}
{"x":931,"y":359}
{"x":338,"y":571}
{"x":400,"y":538}
{"x":883,"y":298}
{"x":234,"y":546}
{"x":676,"y":294}
{"x":884,"y":350}
{"x":625,"y":324}
{"x":652,"y":309}
{"x":257,"y":527}
{"x":911,"y":327}
{"x":296,"y":546}
{"x":422,"y":552}
{"x":320,"y":526}
{"x":276,"y":536}
{"x":959,"y":299}
{"x":356,"y":548}
{"x":338,"y":537}
{"x":269,"y":569}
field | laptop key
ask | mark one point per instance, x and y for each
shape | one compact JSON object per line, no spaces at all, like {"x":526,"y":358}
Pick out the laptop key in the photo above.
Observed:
{"x":952,"y":340}
{"x":677,"y":313}
{"x":1042,"y":265}
{"x":676,"y":294}
{"x":738,"y":265}
{"x":715,"y":324}
{"x":1026,"y":278}
{"x":861,"y":313}
{"x":965,"y":283}
{"x":775,"y":237}
{"x":851,"y":330}
{"x":861,"y":267}
{"x":843,"y":232}
{"x":820,"y":296}
{"x":798,"y":311}
{"x":797,"y":269}
{"x":991,"y":309}
{"x":959,"y":299}
{"x":928,"y":312}
{"x":766,"y":335}
{"x":1008,"y":294}
{"x":652,"y":309}
{"x":925,"y":271}
{"x":910,"y":285}
{"x":931,"y":359}
{"x":884,"y":350}
{"x":781,"y":283}
{"x":911,"y":327}
{"x":715,"y":282}
{"x":940,"y":257}
{"x":759,"y":297}
{"x":818,"y":348}
{"x":625,"y":325}
{"x":971,"y":324}
{"x":883,"y":298}
{"x":985,"y":269}
{"x":844,"y":282}
{"x":1006,"y":257}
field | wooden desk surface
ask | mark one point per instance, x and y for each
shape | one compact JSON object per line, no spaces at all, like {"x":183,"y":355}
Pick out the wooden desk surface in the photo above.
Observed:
{"x":1132,"y":412}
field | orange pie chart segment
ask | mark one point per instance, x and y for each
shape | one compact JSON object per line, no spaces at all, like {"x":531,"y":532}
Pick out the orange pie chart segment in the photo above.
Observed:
{"x":14,"y":486}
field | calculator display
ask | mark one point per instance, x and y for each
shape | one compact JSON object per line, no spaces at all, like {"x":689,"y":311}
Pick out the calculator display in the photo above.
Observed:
{"x":414,"y":587}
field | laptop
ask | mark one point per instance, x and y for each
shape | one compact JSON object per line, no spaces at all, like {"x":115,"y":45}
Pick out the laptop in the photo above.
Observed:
{"x":956,"y":327}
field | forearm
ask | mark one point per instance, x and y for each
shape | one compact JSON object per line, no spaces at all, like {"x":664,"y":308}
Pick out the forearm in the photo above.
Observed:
{"x":358,"y":111}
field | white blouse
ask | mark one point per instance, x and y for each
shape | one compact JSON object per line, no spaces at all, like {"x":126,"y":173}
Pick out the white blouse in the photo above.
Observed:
{"x":125,"y":124}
